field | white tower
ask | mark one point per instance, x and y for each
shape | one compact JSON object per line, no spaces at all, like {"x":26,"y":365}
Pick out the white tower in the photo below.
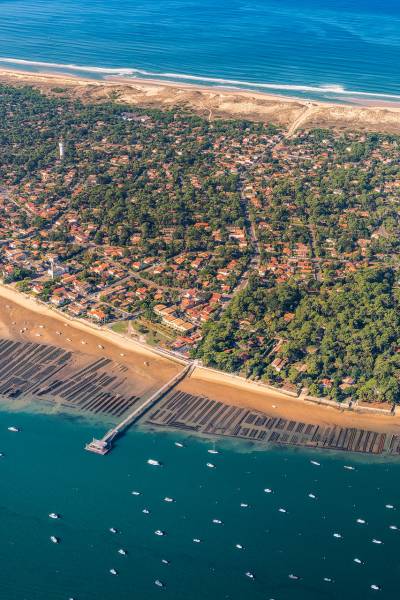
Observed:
{"x":61,"y":149}
{"x":51,"y":270}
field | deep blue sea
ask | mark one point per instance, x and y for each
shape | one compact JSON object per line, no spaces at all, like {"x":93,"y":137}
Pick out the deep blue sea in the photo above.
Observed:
{"x":45,"y":469}
{"x":327,"y":49}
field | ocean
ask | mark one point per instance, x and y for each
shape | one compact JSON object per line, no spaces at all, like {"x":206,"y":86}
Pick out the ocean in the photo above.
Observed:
{"x":45,"y":469}
{"x":336,"y":49}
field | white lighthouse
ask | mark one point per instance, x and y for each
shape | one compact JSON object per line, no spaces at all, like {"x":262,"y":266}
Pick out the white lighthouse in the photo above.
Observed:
{"x":61,"y":149}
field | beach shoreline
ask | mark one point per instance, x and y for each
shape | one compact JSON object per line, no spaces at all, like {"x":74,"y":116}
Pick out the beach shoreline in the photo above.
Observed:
{"x":288,"y":112}
{"x":215,"y":384}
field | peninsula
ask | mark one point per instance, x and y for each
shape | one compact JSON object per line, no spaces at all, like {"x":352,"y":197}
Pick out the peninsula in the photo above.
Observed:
{"x":161,"y":228}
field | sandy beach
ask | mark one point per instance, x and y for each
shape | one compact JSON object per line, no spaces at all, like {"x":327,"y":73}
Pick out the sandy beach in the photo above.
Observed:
{"x":147,"y":370}
{"x":211,"y":102}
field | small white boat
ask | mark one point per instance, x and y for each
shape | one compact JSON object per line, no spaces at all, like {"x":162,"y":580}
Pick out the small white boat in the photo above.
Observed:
{"x":146,"y":511}
{"x":210,"y":465}
{"x":154,"y":463}
{"x":337,"y":535}
{"x":389,"y":506}
{"x":358,"y":561}
{"x":113,"y":572}
{"x":168,"y":499}
{"x":328,"y":579}
{"x":165,"y":561}
{"x":394,"y":527}
{"x":313,"y":496}
{"x":282,"y":510}
{"x":211,"y":451}
{"x":135,"y":493}
{"x":249,"y":574}
{"x":1,"y":454}
{"x":349,"y":468}
{"x":54,"y":516}
{"x":217,"y":521}
{"x":122,"y":552}
{"x":159,"y":583}
{"x":267,"y":490}
{"x":244,"y":505}
{"x":292,"y":576}
{"x":375,"y":587}
{"x":14,"y":429}
{"x":54,"y":539}
{"x":361,"y":521}
{"x":315,"y":463}
{"x":239,"y":546}
{"x":179,"y":445}
{"x":159,"y":532}
{"x":375,"y":541}
{"x":112,"y":530}
{"x":196,"y":541}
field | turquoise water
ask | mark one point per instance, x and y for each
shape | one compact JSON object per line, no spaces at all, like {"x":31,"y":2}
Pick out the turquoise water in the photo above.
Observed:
{"x":330,"y":49}
{"x":45,"y":469}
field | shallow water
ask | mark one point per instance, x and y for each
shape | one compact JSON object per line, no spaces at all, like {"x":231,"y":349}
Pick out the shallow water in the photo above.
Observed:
{"x":45,"y":469}
{"x":298,"y":47}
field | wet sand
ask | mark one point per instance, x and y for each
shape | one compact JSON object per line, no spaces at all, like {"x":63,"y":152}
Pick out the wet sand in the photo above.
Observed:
{"x":275,"y":404}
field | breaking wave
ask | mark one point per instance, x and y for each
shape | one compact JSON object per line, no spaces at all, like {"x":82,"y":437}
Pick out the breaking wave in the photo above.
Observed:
{"x":132,"y":72}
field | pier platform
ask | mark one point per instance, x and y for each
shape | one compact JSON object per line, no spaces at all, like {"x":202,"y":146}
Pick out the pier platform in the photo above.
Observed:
{"x":98,"y":447}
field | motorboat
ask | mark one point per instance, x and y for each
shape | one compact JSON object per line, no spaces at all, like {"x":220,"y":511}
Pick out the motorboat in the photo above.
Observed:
{"x":159,"y":532}
{"x":375,"y":541}
{"x":179,"y":445}
{"x":313,"y":496}
{"x":282,"y":510}
{"x":54,"y":516}
{"x":154,"y":463}
{"x":165,"y":561}
{"x":196,"y":540}
{"x":146,"y":511}
{"x":135,"y":493}
{"x":113,"y":572}
{"x":249,"y":574}
{"x":375,"y":587}
{"x":122,"y":552}
{"x":159,"y":583}
{"x":267,"y":490}
{"x":244,"y":505}
{"x":210,"y":465}
{"x":361,"y":521}
{"x":337,"y":535}
{"x":217,"y":521}
{"x":14,"y":429}
{"x":294,"y":577}
{"x":358,"y":561}
{"x":168,"y":499}
{"x":113,"y":530}
{"x":54,"y":539}
{"x":315,"y":463}
{"x":239,"y":546}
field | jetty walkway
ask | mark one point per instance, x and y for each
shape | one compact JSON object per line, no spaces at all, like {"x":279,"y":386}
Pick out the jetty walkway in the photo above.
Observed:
{"x":105,"y":444}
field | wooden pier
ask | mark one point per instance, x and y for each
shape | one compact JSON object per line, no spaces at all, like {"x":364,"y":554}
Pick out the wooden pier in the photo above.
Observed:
{"x":104,"y":445}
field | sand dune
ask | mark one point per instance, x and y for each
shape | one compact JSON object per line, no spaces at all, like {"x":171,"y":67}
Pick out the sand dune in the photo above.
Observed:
{"x":211,"y":102}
